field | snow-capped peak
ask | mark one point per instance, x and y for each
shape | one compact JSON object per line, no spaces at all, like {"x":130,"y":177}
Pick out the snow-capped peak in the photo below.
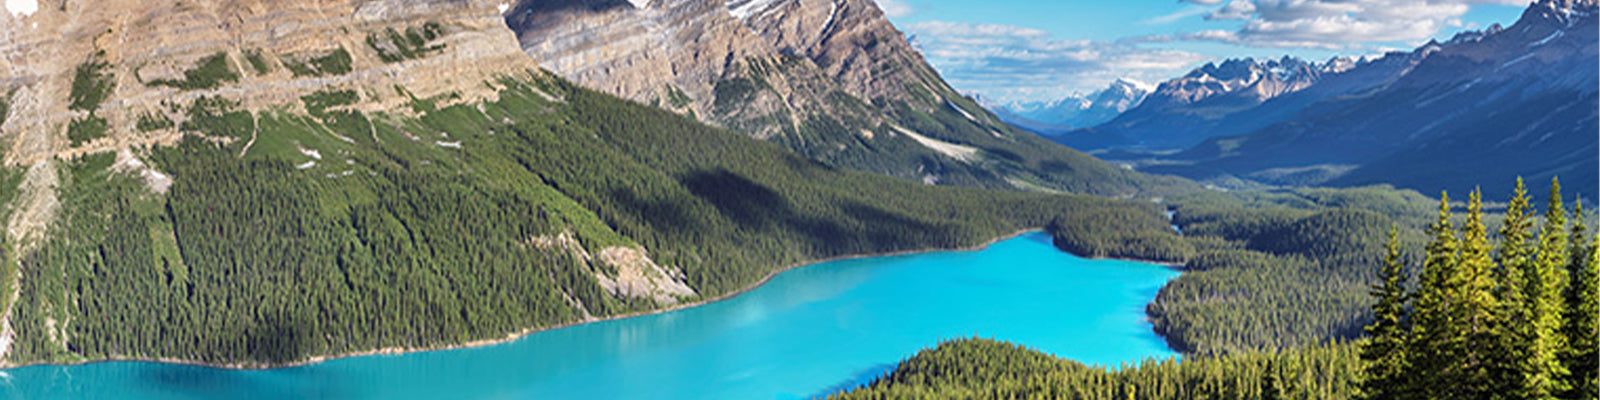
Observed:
{"x":1134,"y":85}
{"x":743,"y":9}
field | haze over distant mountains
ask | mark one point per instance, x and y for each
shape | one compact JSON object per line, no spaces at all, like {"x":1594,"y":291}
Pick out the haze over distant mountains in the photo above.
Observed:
{"x":1180,"y":112}
{"x":1074,"y":111}
{"x":1480,"y":109}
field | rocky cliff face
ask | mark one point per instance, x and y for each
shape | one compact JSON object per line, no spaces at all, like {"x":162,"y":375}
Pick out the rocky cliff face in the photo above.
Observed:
{"x":830,"y":79}
{"x":151,"y":56}
{"x":94,"y":77}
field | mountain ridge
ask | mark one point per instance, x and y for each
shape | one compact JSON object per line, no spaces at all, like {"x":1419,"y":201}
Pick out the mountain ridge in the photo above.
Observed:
{"x":830,"y":79}
{"x":1074,"y":111}
{"x":1527,"y":91}
{"x":1180,"y":111}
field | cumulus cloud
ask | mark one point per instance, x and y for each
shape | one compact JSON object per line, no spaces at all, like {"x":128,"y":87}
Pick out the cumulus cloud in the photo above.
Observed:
{"x":894,"y":8}
{"x":1333,"y":24}
{"x":1011,"y":63}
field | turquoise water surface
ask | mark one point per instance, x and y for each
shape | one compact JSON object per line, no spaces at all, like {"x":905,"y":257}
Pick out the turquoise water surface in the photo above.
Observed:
{"x":807,"y":332}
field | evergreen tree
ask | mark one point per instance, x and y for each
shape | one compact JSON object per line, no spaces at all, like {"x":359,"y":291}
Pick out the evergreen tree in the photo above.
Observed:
{"x":1434,"y":371}
{"x":1540,"y":366}
{"x":1474,"y":316}
{"x":1271,"y":388}
{"x":1516,"y":258}
{"x":1582,"y":313}
{"x":1384,"y":353}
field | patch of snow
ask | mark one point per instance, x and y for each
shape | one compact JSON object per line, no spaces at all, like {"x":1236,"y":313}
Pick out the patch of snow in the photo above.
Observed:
{"x":1281,"y":73}
{"x":453,"y":145}
{"x":503,"y":7}
{"x":833,"y":11}
{"x":22,"y":8}
{"x":963,"y":112}
{"x":1547,"y":40}
{"x":1462,"y":88}
{"x":956,"y":151}
{"x":308,"y":164}
{"x":311,"y":153}
{"x":1519,"y":59}
{"x":743,"y":10}
{"x":640,"y":4}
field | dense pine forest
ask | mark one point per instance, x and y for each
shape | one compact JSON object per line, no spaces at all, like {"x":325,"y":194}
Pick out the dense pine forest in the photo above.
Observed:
{"x":1262,"y":270}
{"x":1513,"y":320}
{"x":1481,"y":313}
{"x":988,"y":369}
{"x":341,"y":231}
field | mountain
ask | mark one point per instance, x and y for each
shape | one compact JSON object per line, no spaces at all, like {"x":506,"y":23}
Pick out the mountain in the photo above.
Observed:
{"x":254,"y":183}
{"x":1074,"y":111}
{"x":1183,"y":111}
{"x":830,"y":79}
{"x":1483,"y":108}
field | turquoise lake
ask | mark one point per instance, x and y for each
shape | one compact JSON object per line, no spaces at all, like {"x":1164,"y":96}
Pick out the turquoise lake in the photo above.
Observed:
{"x":808,"y":332}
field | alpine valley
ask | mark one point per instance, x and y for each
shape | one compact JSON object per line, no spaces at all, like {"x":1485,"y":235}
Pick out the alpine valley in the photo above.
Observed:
{"x":280,"y":181}
{"x":219,"y":198}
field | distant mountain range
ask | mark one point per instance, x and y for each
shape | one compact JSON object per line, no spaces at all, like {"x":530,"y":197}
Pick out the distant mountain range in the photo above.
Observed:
{"x":1480,"y":109}
{"x":1074,"y":111}
{"x":1184,"y":111}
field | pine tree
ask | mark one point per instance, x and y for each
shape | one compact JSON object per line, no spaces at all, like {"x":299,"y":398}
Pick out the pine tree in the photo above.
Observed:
{"x":1474,"y":316}
{"x":1271,"y":389}
{"x":1582,"y":313}
{"x":1540,"y":366}
{"x":1384,"y":352}
{"x":1433,"y":372}
{"x":1516,"y":258}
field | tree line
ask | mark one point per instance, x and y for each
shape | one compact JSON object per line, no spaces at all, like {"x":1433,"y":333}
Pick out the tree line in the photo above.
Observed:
{"x":1515,"y":320}
{"x":990,"y":369}
{"x":1511,"y":316}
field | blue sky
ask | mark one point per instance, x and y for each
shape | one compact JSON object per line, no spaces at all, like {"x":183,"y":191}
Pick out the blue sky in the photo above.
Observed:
{"x":1033,"y":50}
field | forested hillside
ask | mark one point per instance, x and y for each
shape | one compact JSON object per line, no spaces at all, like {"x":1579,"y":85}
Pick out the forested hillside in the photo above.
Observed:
{"x":1471,"y":316}
{"x":1263,"y":270}
{"x":468,"y":223}
{"x":988,"y":369}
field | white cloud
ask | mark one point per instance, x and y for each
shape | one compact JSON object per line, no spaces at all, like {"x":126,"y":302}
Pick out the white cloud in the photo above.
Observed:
{"x":1334,"y":24}
{"x":894,"y":8}
{"x":1189,"y":12}
{"x":1010,"y":63}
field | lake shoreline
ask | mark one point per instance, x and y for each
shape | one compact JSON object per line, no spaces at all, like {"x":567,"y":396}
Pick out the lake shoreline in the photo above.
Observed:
{"x":525,"y":332}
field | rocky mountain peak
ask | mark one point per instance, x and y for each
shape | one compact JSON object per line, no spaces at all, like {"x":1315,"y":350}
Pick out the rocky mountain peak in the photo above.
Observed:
{"x":1557,"y":14}
{"x":831,"y":79}
{"x":1250,"y":79}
